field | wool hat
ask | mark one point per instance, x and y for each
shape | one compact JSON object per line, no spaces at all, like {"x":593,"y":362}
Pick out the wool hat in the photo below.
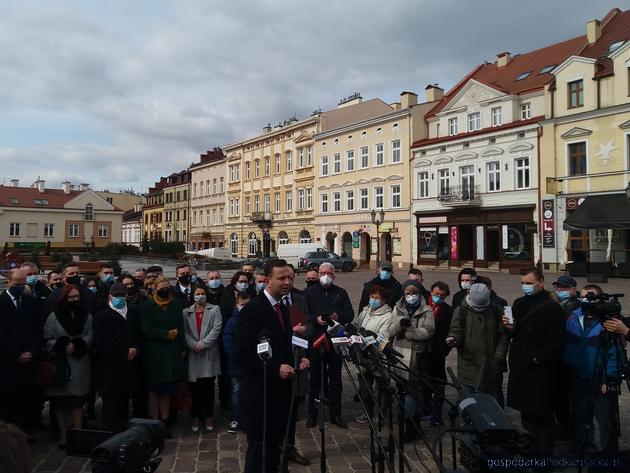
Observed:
{"x":479,"y":295}
{"x":386,"y":266}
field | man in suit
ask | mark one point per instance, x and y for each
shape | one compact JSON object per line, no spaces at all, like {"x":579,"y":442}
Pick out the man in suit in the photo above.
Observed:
{"x":266,"y":315}
{"x":183,"y":290}
{"x":19,"y":348}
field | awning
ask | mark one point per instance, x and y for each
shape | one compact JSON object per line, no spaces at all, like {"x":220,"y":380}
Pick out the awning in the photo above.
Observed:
{"x":600,"y":211}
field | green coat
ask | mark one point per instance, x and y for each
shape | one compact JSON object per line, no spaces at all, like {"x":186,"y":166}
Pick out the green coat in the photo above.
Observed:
{"x":164,"y":361}
{"x":479,"y":336}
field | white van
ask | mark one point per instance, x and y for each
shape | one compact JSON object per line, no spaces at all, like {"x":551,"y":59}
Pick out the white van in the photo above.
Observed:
{"x":216,"y":253}
{"x":293,"y":252}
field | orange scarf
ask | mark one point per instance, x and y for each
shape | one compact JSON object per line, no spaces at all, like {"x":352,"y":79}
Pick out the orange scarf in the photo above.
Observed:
{"x":162,"y":302}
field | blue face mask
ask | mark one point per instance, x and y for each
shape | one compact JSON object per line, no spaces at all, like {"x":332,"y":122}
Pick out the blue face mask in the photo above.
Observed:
{"x":93,"y":289}
{"x":260,"y":286}
{"x":375,"y":303}
{"x":32,"y":280}
{"x":107,"y":278}
{"x":527,"y":289}
{"x":118,"y":302}
{"x":242,"y":286}
{"x":385,"y":275}
{"x":436,"y":299}
{"x":563,"y":295}
{"x":193,"y":279}
{"x":214,"y":283}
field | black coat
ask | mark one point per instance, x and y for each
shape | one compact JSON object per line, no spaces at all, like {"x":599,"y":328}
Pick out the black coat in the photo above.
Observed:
{"x":21,"y":331}
{"x":184,"y":300}
{"x":255,"y":317}
{"x":393,"y":287}
{"x":442,"y":325}
{"x":215,"y":295}
{"x":535,"y":358}
{"x":113,"y":336}
{"x":321,"y":300}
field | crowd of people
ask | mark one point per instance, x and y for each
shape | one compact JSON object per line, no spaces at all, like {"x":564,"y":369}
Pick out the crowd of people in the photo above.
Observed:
{"x":138,"y":339}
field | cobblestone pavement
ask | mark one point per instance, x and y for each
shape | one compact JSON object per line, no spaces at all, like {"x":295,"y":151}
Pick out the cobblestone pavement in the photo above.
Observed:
{"x":347,"y":449}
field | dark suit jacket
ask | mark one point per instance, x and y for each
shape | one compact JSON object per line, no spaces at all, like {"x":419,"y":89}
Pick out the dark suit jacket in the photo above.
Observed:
{"x":255,"y":317}
{"x":21,"y":332}
{"x":113,"y":336}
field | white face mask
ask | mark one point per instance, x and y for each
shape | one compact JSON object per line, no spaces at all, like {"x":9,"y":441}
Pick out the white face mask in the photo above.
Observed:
{"x":326,"y":280}
{"x":465,"y":285}
{"x":412,"y":299}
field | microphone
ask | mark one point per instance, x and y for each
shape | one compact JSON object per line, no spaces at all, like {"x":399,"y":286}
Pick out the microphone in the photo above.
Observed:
{"x":384,"y":346}
{"x":322,"y":343}
{"x":263,"y":349}
{"x":335,"y":329}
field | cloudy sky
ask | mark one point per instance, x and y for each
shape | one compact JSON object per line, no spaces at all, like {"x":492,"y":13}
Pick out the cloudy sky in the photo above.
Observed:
{"x":117,"y":93}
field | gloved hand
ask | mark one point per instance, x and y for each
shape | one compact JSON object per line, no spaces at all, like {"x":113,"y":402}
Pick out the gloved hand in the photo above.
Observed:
{"x":405,"y":323}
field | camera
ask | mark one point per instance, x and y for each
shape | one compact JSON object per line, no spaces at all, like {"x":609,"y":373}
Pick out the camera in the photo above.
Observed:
{"x":602,"y":307}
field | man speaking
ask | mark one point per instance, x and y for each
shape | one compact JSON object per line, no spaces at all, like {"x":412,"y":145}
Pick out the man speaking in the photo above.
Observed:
{"x":266,"y":316}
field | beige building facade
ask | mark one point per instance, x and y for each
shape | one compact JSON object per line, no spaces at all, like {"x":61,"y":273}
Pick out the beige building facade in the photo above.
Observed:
{"x":153,"y":211}
{"x":176,"y":206}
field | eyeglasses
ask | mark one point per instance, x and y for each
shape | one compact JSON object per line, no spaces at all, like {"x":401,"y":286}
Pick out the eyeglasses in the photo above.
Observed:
{"x":74,"y":298}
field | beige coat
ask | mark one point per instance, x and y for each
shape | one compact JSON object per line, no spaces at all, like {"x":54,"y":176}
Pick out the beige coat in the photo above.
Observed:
{"x":206,"y":363}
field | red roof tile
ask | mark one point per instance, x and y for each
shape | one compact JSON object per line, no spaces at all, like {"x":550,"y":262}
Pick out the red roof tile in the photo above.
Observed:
{"x":615,"y":28}
{"x":26,"y":197}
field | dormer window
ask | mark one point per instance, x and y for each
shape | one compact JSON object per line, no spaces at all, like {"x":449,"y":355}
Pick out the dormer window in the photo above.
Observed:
{"x":613,"y":47}
{"x":524,"y":75}
{"x":89,"y":212}
{"x":575,"y":91}
{"x":547,"y":69}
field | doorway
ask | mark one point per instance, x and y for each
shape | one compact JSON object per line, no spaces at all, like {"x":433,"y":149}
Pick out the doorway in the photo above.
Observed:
{"x":330,"y":241}
{"x":366,"y":248}
{"x":465,"y":243}
{"x":347,"y":244}
{"x":385,"y":252}
{"x":493,"y":249}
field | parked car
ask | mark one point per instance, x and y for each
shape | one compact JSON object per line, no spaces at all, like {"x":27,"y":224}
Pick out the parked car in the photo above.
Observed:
{"x":313,"y":259}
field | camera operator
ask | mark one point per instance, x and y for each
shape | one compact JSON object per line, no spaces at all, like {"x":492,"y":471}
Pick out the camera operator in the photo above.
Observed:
{"x":583,"y":354}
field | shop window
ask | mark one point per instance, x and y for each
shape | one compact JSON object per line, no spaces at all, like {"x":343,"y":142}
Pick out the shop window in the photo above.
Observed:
{"x":519,"y":246}
{"x":427,"y":242}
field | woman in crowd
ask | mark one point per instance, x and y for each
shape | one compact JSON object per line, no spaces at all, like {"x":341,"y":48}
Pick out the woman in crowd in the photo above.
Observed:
{"x":203,"y":327}
{"x":165,"y":346}
{"x":135,"y":296}
{"x":68,"y":337}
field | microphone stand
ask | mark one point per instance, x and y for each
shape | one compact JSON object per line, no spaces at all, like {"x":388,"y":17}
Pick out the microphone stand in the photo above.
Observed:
{"x":264,"y":439}
{"x":320,"y":401}
{"x":284,"y":464}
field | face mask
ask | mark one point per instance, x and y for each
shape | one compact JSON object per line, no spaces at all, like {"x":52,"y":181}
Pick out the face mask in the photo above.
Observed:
{"x":163,"y":293}
{"x":16,"y":291}
{"x":465,"y":285}
{"x":214,"y":283}
{"x":242,"y":286}
{"x":118,"y":302}
{"x":57,"y":285}
{"x":527,"y":289}
{"x":385,"y":275}
{"x":184,"y":279}
{"x":412,"y":299}
{"x":139,"y":282}
{"x":260,"y":286}
{"x":92,"y":289}
{"x":107,"y":278}
{"x":375,"y":303}
{"x":73,"y":305}
{"x":193,"y":279}
{"x":563,"y":295}
{"x":311,"y":283}
{"x":132,"y":291}
{"x":325,"y":280}
{"x":200,"y":299}
{"x":74,"y":280}
{"x":436,"y":299}
{"x":32,"y":280}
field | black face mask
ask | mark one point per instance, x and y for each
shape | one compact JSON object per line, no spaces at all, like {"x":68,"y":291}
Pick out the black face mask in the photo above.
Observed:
{"x":139,"y":282}
{"x":132,"y":291}
{"x":57,"y":285}
{"x":312,"y":283}
{"x":73,"y":305}
{"x":74,"y":280}
{"x":184,"y":279}
{"x":163,"y":293}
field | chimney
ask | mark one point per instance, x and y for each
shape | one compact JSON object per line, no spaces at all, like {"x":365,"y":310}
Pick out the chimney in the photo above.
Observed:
{"x":593,"y":30}
{"x":84,"y":186}
{"x":39,"y":183}
{"x":503,"y":59}
{"x":407,"y":99}
{"x":433,"y":92}
{"x":15,"y":183}
{"x":267,"y":129}
{"x":65,"y":185}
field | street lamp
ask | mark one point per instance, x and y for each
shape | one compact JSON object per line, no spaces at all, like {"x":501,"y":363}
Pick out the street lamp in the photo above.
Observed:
{"x":377,"y":221}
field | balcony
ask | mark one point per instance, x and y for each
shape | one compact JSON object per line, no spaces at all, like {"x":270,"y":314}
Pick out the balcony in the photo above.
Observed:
{"x":461,"y":196}
{"x":261,"y":217}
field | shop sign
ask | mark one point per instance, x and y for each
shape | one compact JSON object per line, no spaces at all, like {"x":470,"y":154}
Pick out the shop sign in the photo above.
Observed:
{"x":454,"y":249}
{"x":504,"y":231}
{"x":549,"y":224}
{"x":355,"y":241}
{"x":574,"y":202}
{"x":29,"y":244}
{"x":386,"y":227}
{"x":440,"y":219}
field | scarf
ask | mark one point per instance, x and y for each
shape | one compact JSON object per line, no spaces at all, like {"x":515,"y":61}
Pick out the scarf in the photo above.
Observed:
{"x":162,"y":303}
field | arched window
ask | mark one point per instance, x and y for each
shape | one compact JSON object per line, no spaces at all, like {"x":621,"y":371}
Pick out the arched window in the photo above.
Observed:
{"x":89,"y":212}
{"x":305,"y":237}
{"x":283,"y":238}
{"x":234,"y":244}
{"x":252,"y":244}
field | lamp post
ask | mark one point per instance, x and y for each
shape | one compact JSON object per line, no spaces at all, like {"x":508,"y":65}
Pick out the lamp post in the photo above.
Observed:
{"x":377,"y":220}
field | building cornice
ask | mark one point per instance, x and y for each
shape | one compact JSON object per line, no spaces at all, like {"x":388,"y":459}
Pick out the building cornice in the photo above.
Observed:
{"x":602,"y":112}
{"x":363,"y":124}
{"x":272,"y":134}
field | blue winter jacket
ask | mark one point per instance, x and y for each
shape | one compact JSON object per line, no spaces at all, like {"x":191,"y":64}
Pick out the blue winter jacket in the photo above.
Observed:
{"x":581,"y":348}
{"x":229,"y":336}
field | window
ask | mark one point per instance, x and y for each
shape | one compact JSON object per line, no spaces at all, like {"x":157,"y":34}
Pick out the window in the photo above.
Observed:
{"x":575,"y":90}
{"x":336,"y":163}
{"x":349,"y":201}
{"x":283,"y":238}
{"x":363,"y":198}
{"x":248,"y":170}
{"x":522,"y":173}
{"x":267,"y":165}
{"x":215,"y":188}
{"x":474,"y":121}
{"x":221,"y":185}
{"x":89,"y":212}
{"x":395,"y":194}
{"x":395,"y":151}
{"x":494,"y":176}
{"x":526,"y":111}
{"x":300,"y":199}
{"x":247,"y":205}
{"x":103,"y":231}
{"x":277,"y":159}
{"x":300,"y":157}
{"x":496,"y":116}
{"x":267,"y":203}
{"x":305,"y":237}
{"x":257,"y":168}
{"x":221,"y":216}
{"x":309,"y":197}
{"x":365,"y":158}
{"x":257,"y":203}
{"x":452,"y":126}
{"x":289,"y":207}
{"x":324,"y":165}
{"x":195,"y":189}
{"x":73,"y":230}
{"x":234,"y":244}
{"x":577,"y":158}
{"x":524,"y":75}
{"x":380,"y":155}
{"x":378,"y":197}
{"x":289,"y":158}
{"x":252,"y":246}
{"x":309,"y":155}
{"x":423,"y":184}
{"x":337,"y":201}
{"x":467,"y":180}
{"x":195,"y":218}
{"x":14,"y":229}
{"x":235,"y":174}
{"x":324,"y":203}
{"x":49,"y":230}
{"x":276,"y":199}
{"x":350,"y":160}
{"x":444,"y":180}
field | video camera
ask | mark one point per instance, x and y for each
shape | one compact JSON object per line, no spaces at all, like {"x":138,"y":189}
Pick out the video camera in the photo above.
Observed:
{"x":602,"y":306}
